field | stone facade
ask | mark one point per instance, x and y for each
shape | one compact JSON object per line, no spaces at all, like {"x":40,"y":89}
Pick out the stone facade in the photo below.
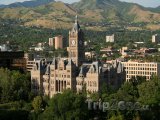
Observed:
{"x":52,"y":77}
{"x":76,"y":44}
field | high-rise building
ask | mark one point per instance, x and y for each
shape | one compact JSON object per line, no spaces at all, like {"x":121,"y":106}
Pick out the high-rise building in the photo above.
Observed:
{"x":59,"y":42}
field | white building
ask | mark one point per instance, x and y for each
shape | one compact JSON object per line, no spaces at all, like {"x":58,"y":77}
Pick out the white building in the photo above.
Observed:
{"x":124,"y":51}
{"x":144,"y":69}
{"x":51,"y":41}
{"x":39,"y":48}
{"x":4,"y":47}
{"x":110,"y":38}
{"x":155,"y":38}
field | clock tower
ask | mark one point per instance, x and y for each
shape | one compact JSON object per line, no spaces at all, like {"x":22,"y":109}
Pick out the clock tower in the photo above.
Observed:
{"x":76,"y":44}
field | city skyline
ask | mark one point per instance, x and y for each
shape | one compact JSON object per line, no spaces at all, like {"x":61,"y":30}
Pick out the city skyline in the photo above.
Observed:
{"x":146,"y":3}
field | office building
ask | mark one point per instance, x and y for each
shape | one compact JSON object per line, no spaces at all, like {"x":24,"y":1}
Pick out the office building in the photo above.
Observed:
{"x":143,"y":69}
{"x":59,"y":42}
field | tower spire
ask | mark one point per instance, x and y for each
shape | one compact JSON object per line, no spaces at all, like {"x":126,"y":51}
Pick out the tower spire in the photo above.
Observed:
{"x":75,"y":49}
{"x":76,"y":19}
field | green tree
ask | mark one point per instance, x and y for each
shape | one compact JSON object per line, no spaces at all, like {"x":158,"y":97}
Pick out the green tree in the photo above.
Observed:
{"x":14,"y":86}
{"x":67,"y":106}
{"x":149,"y":96}
{"x":37,"y":104}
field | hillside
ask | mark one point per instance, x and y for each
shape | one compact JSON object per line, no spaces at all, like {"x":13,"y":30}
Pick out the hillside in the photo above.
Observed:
{"x":60,"y":15}
{"x":52,"y":15}
{"x":33,"y":3}
{"x":114,"y":10}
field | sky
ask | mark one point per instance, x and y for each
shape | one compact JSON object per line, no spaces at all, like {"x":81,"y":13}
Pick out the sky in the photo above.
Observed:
{"x":146,"y":3}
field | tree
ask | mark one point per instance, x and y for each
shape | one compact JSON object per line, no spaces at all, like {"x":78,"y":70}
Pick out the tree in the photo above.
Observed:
{"x":67,"y":106}
{"x":37,"y":104}
{"x":14,"y":86}
{"x":149,"y":96}
{"x":127,"y":93}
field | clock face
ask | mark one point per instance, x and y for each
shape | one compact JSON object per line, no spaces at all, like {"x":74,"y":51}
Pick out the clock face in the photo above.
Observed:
{"x":80,"y":42}
{"x":73,"y":42}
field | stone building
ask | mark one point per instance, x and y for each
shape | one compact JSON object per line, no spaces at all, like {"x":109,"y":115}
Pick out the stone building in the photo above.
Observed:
{"x":37,"y":76}
{"x":76,"y":44}
{"x":93,"y":76}
{"x":52,"y":77}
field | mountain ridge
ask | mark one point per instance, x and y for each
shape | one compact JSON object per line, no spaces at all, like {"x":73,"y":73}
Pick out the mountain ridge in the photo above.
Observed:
{"x":32,"y":3}
{"x":53,"y":13}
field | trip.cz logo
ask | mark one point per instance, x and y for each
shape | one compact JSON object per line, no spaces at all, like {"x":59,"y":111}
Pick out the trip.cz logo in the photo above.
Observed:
{"x":116,"y":105}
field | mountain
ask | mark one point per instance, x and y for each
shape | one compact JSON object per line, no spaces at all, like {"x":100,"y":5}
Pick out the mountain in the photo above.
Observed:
{"x":157,"y":9}
{"x":52,"y":14}
{"x":116,"y":10}
{"x":2,"y":6}
{"x":32,"y":3}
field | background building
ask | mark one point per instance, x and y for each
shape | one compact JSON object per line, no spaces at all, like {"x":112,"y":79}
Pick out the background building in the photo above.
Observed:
{"x":143,"y":69}
{"x":110,"y":38}
{"x":51,"y":42}
{"x":13,"y":60}
{"x":4,"y":47}
{"x":124,"y":51}
{"x":156,"y":38}
{"x":59,"y":42}
{"x":39,"y":47}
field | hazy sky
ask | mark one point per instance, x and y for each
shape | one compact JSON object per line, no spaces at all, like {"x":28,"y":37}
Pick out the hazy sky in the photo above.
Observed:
{"x":147,"y":3}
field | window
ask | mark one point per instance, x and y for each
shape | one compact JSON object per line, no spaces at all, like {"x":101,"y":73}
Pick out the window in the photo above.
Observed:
{"x":52,"y":75}
{"x":68,"y":83}
{"x":52,"y":70}
{"x":61,"y":68}
{"x":68,"y":76}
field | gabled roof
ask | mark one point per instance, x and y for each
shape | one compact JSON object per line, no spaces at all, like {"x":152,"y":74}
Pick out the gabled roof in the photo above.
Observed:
{"x":120,"y":68}
{"x":47,"y":69}
{"x":53,"y":61}
{"x":70,"y":62}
